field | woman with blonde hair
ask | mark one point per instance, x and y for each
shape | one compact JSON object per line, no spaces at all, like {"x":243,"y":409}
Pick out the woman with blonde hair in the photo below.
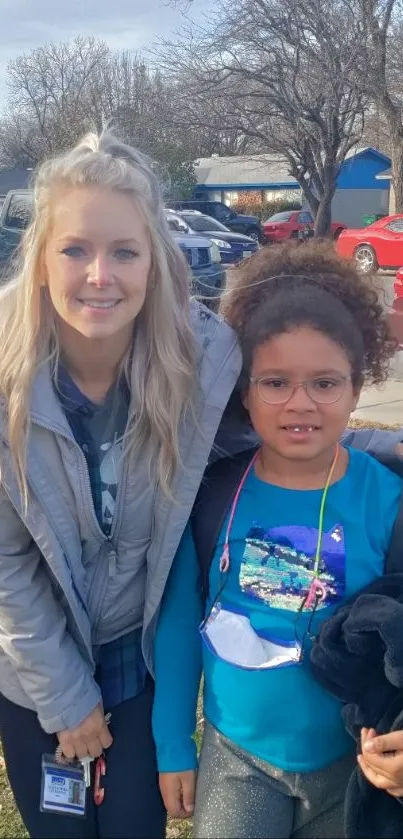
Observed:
{"x":112,"y":390}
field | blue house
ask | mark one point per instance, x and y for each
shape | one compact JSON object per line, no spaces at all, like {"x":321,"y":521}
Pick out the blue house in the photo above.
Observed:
{"x":359,"y":190}
{"x":266,"y":177}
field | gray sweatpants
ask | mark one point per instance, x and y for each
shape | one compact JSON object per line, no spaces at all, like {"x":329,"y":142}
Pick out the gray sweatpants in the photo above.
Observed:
{"x":241,"y":796}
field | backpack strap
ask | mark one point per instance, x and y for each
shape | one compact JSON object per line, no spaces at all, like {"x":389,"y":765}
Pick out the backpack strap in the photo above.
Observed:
{"x":394,"y":558}
{"x":212,"y":505}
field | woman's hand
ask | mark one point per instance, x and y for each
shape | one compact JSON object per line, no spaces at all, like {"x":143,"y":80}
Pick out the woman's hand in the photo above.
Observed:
{"x":90,"y":738}
{"x":381,"y":760}
{"x":178,"y":793}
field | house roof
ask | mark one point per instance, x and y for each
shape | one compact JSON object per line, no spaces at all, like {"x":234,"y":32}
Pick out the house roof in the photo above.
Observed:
{"x":259,"y":170}
{"x":358,"y":151}
{"x":252,"y":170}
{"x":14,"y":179}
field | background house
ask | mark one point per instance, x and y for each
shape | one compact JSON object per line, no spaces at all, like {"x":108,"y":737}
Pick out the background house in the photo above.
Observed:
{"x":227,"y":179}
{"x":359,"y":190}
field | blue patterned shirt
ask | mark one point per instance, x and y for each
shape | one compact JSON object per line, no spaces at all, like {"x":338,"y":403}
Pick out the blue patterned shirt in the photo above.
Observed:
{"x":279,"y":714}
{"x":98,"y":430}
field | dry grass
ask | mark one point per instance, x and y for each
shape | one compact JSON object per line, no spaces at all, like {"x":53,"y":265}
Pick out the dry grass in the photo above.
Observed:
{"x":10,"y":822}
{"x":12,"y":826}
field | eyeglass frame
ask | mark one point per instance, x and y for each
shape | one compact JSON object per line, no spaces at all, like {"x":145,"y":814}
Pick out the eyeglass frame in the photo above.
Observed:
{"x":256,"y":380}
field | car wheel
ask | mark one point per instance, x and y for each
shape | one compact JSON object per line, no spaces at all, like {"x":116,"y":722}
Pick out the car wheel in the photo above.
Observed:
{"x":365,"y":259}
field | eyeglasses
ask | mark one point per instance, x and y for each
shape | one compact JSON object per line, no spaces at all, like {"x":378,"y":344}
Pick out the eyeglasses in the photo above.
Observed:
{"x":276,"y":390}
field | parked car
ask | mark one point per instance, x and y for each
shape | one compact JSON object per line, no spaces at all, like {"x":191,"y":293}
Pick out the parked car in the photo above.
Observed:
{"x":233,"y":247}
{"x":380,"y":245}
{"x":15,"y":213}
{"x":240,"y":223}
{"x":202,"y":255}
{"x":294,"y":224}
{"x":204,"y":260}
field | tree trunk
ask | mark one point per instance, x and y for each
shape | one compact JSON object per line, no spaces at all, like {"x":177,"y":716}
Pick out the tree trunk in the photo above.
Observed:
{"x":397,"y":173}
{"x":307,"y":192}
{"x":393,"y":118}
{"x":323,"y":218}
{"x":319,"y":197}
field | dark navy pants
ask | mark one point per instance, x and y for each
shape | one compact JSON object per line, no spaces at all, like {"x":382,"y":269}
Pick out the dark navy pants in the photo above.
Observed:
{"x":132,"y":805}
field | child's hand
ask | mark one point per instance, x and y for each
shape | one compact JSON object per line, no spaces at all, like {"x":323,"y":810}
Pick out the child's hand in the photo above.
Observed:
{"x":382,"y":760}
{"x":178,"y":792}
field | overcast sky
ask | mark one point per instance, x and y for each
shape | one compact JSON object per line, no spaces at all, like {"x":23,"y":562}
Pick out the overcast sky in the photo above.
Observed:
{"x":124,"y":24}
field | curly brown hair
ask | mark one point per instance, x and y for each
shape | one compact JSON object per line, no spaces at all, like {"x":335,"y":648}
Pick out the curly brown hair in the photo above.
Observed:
{"x":285,"y":286}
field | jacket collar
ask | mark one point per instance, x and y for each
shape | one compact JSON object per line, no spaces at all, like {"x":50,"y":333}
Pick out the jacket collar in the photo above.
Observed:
{"x":46,"y":409}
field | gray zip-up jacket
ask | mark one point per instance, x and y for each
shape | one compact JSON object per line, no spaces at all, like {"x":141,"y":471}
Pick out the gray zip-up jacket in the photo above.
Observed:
{"x":64,"y":586}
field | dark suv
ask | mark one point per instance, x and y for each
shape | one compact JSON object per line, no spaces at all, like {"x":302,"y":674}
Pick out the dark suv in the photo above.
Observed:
{"x":248,"y":225}
{"x":14,"y":218}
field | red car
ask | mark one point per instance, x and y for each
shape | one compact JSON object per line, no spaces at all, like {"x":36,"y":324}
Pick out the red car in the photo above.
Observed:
{"x":380,"y":245}
{"x":293,"y":224}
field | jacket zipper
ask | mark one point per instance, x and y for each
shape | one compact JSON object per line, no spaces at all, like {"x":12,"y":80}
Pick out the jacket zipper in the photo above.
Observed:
{"x":94,"y":520}
{"x":107,"y":540}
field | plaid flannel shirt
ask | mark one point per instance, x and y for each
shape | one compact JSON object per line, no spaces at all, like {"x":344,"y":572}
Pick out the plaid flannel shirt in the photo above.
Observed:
{"x":120,"y":667}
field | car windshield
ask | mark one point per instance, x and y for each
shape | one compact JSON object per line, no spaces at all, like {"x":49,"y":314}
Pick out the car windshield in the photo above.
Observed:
{"x":203,"y":223}
{"x":176,"y":223}
{"x":19,"y":211}
{"x":285,"y":216}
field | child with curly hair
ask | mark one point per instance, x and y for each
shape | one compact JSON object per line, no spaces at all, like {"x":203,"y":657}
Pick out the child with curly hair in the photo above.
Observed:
{"x":307,"y":526}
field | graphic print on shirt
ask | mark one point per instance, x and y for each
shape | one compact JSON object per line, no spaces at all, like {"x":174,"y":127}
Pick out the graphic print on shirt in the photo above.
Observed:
{"x":277,"y":566}
{"x":109,"y":465}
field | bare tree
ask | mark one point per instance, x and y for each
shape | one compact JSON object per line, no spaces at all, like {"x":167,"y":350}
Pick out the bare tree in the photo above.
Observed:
{"x":49,"y":89}
{"x":18,"y":142}
{"x":59,"y":91}
{"x":379,"y":66}
{"x":279,"y":72}
{"x":375,"y":131}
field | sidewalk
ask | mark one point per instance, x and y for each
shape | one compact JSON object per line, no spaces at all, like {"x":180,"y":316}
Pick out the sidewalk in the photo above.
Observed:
{"x":384,"y":404}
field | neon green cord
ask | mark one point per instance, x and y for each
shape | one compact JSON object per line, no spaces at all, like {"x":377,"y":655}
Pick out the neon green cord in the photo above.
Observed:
{"x":322,"y":513}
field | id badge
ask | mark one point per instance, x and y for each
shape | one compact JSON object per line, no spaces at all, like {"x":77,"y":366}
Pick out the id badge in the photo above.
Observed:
{"x":63,"y":787}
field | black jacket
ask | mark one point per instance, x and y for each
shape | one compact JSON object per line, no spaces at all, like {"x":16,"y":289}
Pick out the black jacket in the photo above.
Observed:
{"x":358,"y":657}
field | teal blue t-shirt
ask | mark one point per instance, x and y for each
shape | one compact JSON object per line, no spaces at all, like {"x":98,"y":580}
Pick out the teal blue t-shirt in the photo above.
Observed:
{"x":281,"y":715}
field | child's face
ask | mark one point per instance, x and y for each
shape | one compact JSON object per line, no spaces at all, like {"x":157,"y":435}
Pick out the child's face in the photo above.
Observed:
{"x":300,"y":428}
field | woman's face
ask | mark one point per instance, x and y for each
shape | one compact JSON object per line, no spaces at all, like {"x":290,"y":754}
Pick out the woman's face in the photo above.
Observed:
{"x":300,"y":428}
{"x":97,"y":261}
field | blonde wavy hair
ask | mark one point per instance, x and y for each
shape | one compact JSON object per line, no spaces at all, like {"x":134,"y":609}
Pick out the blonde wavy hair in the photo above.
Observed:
{"x":163,"y":371}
